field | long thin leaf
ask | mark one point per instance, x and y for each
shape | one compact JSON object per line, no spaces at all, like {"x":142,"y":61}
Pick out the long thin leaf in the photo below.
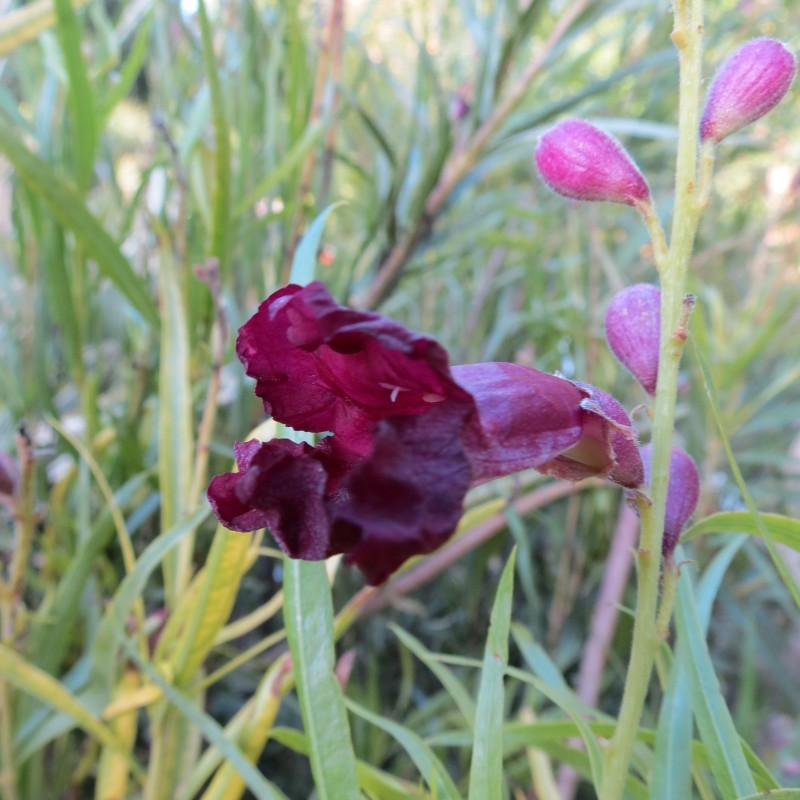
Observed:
{"x":728,"y":762}
{"x":672,"y":765}
{"x":25,"y":23}
{"x":454,"y":687}
{"x":775,"y":555}
{"x":176,"y":443}
{"x":220,"y":223}
{"x":486,"y":769}
{"x":67,"y":206}
{"x":29,"y":678}
{"x":80,"y":97}
{"x":430,"y":767}
{"x":308,"y":616}
{"x":209,"y":727}
{"x":784,"y":530}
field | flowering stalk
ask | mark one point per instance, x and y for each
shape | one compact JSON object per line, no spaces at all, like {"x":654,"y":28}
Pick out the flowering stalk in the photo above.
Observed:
{"x":687,"y":36}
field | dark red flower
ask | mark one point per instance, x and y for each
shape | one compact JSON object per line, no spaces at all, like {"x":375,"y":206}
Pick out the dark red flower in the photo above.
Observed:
{"x":408,"y":435}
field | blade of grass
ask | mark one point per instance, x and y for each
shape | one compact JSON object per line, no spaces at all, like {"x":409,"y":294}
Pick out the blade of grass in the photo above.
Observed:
{"x":305,"y":257}
{"x":728,"y":762}
{"x":308,"y":617}
{"x":672,"y":765}
{"x":783,"y":530}
{"x":775,"y":555}
{"x":66,"y":205}
{"x":486,"y":768}
{"x":80,"y":97}
{"x":176,"y":446}
{"x":430,"y":767}
{"x":25,"y":23}
{"x":220,"y":223}
{"x":30,"y":679}
{"x":210,"y":729}
{"x":451,"y":683}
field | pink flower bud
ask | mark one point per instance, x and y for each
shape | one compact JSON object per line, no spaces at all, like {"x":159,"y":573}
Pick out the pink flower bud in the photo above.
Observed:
{"x":633,"y":326}
{"x":749,"y":83}
{"x":582,"y":162}
{"x":682,"y":493}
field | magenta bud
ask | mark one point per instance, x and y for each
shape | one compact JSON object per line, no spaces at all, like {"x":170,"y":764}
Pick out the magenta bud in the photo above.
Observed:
{"x":750,"y":82}
{"x":682,"y":493}
{"x":582,"y":162}
{"x":633,"y":328}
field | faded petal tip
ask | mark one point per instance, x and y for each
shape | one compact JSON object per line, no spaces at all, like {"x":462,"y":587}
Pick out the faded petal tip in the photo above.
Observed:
{"x":633,"y":326}
{"x":682,"y":493}
{"x":582,"y":162}
{"x":750,"y":82}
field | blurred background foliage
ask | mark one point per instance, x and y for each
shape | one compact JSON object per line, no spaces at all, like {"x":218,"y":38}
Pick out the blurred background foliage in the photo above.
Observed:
{"x":137,"y":143}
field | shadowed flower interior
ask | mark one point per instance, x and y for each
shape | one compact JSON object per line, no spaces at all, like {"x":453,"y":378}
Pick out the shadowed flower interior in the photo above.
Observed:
{"x":409,"y":435}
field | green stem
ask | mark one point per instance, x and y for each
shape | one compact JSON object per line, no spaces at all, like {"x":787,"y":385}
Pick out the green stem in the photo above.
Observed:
{"x":688,"y":38}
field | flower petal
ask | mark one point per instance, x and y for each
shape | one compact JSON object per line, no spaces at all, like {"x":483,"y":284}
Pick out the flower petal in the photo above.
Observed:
{"x":526,"y":417}
{"x":322,"y":367}
{"x":281,"y":487}
{"x":608,"y":445}
{"x":407,"y":497}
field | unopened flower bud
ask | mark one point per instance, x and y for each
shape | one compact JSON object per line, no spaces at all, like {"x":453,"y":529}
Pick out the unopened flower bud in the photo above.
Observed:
{"x":633,"y":327}
{"x":683,"y":492}
{"x":582,"y":162}
{"x":749,"y":83}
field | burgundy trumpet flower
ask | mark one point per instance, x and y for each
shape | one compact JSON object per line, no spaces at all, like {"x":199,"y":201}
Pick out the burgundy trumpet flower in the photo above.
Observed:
{"x":407,"y":435}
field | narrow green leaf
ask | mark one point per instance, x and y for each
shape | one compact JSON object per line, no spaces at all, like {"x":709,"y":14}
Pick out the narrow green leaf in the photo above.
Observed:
{"x":104,"y":646}
{"x":176,"y":442}
{"x":308,"y":616}
{"x":293,"y":159}
{"x":220,"y":224}
{"x":430,"y":767}
{"x":304,"y":264}
{"x":376,"y":782}
{"x":66,"y":205}
{"x":775,"y":794}
{"x":775,"y":555}
{"x":672,"y":765}
{"x":80,"y":98}
{"x":211,"y":730}
{"x":29,"y":678}
{"x":454,"y":687}
{"x":25,"y":23}
{"x":486,"y":769}
{"x":221,"y":577}
{"x":129,"y":72}
{"x":553,"y":686}
{"x":60,"y":301}
{"x":784,"y":530}
{"x":54,"y":624}
{"x":728,"y":762}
